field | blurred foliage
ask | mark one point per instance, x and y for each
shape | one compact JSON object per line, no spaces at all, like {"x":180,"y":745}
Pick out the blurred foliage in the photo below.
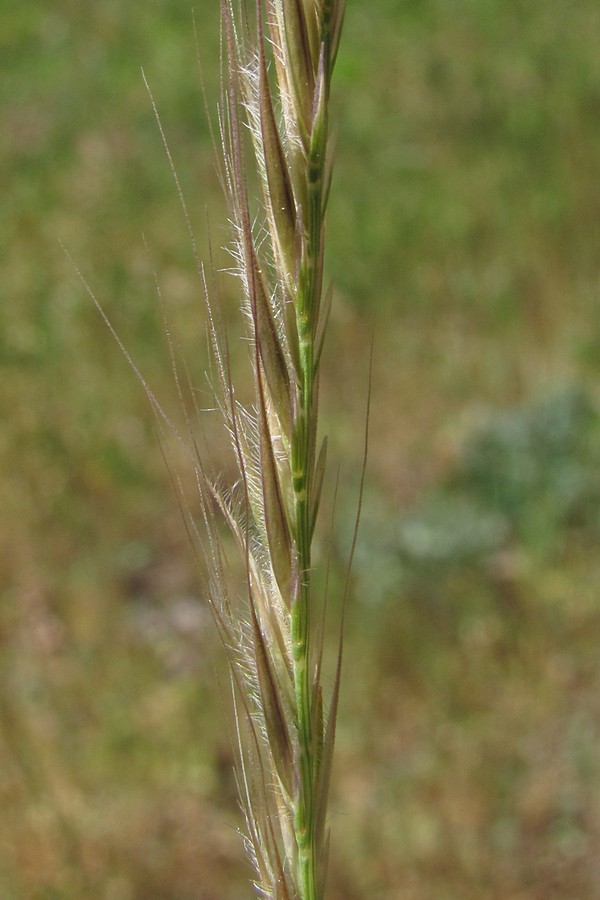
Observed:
{"x":528,"y":477}
{"x":482,"y":600}
{"x":464,"y":228}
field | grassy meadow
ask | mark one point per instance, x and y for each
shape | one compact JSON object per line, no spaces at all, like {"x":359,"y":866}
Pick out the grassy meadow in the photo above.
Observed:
{"x":464,"y":234}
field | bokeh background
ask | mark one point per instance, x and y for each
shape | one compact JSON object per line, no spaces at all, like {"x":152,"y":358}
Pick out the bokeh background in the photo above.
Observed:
{"x":465,"y":235}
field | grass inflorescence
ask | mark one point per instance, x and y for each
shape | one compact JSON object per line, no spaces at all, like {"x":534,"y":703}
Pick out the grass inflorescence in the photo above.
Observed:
{"x":278,"y":63}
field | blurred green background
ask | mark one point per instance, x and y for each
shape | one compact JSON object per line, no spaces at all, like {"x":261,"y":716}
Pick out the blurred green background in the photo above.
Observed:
{"x":465,"y":234}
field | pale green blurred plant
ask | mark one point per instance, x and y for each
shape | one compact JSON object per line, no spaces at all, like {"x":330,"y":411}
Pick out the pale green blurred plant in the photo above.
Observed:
{"x":276,"y":86}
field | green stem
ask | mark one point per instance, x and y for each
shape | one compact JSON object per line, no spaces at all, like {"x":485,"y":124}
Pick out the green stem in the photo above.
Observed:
{"x":303,"y":441}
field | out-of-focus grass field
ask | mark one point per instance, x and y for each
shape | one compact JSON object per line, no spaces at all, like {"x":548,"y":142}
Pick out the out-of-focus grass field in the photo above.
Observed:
{"x":465,"y":232}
